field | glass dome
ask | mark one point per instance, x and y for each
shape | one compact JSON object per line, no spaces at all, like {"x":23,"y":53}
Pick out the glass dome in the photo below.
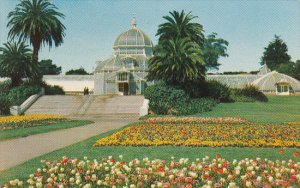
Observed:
{"x":270,"y":81}
{"x":133,"y":42}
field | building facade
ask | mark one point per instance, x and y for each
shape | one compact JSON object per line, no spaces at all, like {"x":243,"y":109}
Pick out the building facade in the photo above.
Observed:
{"x":124,"y":73}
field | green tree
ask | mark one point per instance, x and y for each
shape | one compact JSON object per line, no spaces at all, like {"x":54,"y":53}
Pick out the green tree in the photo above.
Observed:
{"x":297,"y":70}
{"x":15,"y":62}
{"x":177,"y":61}
{"x":38,"y":22}
{"x":275,"y":54}
{"x":213,"y":49}
{"x":178,"y":56}
{"x":48,"y":68}
{"x":287,"y":68}
{"x":180,"y":25}
{"x":79,"y":71}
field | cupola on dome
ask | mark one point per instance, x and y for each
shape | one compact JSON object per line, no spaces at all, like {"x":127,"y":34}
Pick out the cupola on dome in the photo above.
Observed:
{"x":133,"y":37}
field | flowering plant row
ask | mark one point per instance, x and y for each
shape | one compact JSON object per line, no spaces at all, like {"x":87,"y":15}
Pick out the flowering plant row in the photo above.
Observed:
{"x":211,"y":120}
{"x":205,"y":135}
{"x":11,"y":122}
{"x":182,"y":173}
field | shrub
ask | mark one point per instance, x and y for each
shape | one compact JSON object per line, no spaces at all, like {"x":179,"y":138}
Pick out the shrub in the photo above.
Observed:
{"x":53,"y":90}
{"x":163,"y":97}
{"x":4,"y":104}
{"x":249,"y":93}
{"x":194,"y":106}
{"x":5,"y":86}
{"x":217,"y":91}
{"x":18,"y":95}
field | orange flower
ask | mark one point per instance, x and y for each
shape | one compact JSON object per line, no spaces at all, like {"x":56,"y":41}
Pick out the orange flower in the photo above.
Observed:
{"x":218,"y":156}
{"x":281,"y":152}
{"x":296,"y":154}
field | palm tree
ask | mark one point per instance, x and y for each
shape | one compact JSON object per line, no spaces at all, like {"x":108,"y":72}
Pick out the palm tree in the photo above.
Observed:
{"x":179,"y":25}
{"x":177,"y":61}
{"x":36,"y":21}
{"x":15,"y":62}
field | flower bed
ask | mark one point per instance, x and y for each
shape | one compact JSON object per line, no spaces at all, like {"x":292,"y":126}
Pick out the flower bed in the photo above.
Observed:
{"x":204,"y":172}
{"x":12,"y":122}
{"x":210,"y":120}
{"x":245,"y":135}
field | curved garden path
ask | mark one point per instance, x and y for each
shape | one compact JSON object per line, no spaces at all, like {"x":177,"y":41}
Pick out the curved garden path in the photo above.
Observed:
{"x":17,"y":151}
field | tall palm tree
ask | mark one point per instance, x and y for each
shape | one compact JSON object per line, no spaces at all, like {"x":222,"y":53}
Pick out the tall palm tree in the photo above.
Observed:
{"x":15,"y":62}
{"x":180,"y":25}
{"x":177,"y":61}
{"x":36,"y":21}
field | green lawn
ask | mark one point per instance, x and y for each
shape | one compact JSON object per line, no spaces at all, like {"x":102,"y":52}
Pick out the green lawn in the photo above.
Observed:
{"x":85,"y":148}
{"x":279,"y":109}
{"x":23,"y":132}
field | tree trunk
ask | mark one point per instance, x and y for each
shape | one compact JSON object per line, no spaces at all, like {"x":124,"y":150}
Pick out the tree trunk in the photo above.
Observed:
{"x":36,"y":79}
{"x":35,"y":54}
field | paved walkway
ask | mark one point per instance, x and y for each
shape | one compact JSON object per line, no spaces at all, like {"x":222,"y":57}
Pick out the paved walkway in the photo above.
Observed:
{"x":16,"y":151}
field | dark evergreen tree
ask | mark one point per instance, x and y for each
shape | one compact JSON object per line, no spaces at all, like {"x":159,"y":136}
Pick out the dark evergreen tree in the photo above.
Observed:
{"x":79,"y":71}
{"x":48,"y":68}
{"x":275,"y":54}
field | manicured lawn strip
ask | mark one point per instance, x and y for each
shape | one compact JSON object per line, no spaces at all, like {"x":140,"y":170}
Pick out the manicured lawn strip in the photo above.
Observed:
{"x":23,"y":132}
{"x":85,"y":148}
{"x":279,"y":109}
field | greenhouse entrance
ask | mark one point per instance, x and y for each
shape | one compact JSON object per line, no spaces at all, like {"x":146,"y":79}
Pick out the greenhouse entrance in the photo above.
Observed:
{"x":123,"y":88}
{"x":282,"y":89}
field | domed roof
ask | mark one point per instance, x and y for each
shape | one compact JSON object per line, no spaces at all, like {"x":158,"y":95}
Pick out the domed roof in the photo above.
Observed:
{"x":134,"y":37}
{"x":269,"y":81}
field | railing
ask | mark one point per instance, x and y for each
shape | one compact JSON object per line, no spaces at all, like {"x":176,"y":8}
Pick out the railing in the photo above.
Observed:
{"x":18,"y":110}
{"x":144,"y":108}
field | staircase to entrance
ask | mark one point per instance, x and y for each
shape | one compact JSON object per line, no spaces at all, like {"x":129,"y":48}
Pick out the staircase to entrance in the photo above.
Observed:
{"x":89,"y":105}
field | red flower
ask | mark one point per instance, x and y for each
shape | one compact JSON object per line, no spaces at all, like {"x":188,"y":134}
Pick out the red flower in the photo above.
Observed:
{"x":188,"y":179}
{"x":218,"y":156}
{"x":296,"y":154}
{"x":220,"y":170}
{"x":160,"y":168}
{"x":281,"y":152}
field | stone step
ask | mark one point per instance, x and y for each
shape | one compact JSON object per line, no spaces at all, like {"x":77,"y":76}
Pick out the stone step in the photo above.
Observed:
{"x":92,"y":105}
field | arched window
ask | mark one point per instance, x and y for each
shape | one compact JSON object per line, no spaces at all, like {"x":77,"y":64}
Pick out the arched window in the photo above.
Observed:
{"x":282,"y":88}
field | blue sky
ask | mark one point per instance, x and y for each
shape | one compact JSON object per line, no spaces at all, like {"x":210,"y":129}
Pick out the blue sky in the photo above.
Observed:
{"x":93,"y":25}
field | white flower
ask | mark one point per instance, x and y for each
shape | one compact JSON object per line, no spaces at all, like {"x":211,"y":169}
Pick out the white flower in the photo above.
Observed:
{"x":159,"y":184}
{"x":248,"y":184}
{"x":71,"y":180}
{"x":78,"y":181}
{"x":258,"y":178}
{"x":271,"y":179}
{"x":39,"y":185}
{"x":99,"y":182}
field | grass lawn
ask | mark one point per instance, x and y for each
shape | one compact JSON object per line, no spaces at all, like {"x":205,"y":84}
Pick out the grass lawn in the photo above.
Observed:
{"x":85,"y":148}
{"x":279,"y":109}
{"x":23,"y":132}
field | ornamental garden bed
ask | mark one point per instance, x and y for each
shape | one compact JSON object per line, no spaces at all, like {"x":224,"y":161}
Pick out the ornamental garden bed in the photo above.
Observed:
{"x":204,"y":132}
{"x":22,"y":126}
{"x":204,"y":172}
{"x":14,"y":122}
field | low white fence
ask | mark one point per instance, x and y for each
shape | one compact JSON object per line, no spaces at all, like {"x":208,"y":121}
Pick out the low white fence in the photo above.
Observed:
{"x":18,"y":110}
